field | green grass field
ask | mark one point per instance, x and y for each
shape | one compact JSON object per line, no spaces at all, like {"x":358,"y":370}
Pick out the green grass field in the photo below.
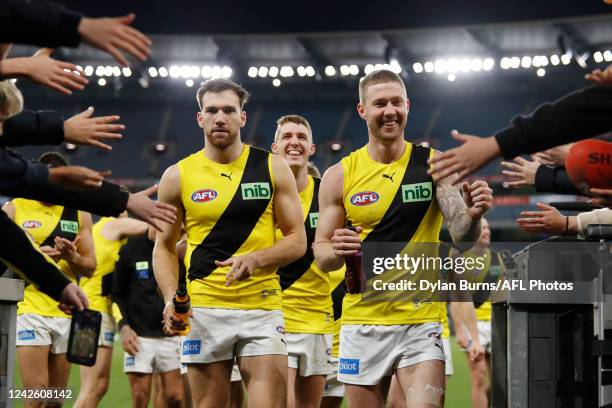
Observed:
{"x":457,"y":395}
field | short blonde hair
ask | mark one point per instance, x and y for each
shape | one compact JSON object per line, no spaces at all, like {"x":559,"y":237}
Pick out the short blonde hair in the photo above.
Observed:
{"x":11,"y":99}
{"x":300,"y":120}
{"x":379,"y":76}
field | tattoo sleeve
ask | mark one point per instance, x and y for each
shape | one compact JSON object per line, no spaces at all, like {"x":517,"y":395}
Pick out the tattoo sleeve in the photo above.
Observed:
{"x":461,"y":226}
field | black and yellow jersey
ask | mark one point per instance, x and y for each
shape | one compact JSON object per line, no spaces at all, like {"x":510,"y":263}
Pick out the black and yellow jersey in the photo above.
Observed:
{"x":229,"y":212}
{"x":393,"y":202}
{"x":99,"y":286}
{"x":338,"y":289}
{"x":307,"y":304}
{"x":43,"y":223}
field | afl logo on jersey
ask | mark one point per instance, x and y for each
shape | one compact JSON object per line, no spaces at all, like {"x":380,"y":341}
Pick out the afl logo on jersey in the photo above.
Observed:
{"x":203,"y":196}
{"x":32,"y":224}
{"x":364,"y":198}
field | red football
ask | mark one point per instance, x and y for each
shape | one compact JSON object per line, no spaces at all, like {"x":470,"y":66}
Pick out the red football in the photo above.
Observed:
{"x":589,"y":164}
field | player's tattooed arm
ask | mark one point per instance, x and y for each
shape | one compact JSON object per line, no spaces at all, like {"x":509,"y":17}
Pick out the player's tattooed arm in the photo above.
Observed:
{"x":463,"y":213}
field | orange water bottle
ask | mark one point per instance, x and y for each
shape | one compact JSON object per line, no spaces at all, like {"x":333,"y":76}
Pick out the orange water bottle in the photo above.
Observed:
{"x":182,"y":304}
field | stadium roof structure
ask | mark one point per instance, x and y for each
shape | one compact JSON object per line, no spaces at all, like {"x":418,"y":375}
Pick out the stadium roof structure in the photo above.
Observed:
{"x":542,"y":46}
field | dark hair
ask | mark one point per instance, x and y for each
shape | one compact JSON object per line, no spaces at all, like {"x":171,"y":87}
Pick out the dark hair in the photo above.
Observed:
{"x":378,"y":77}
{"x":219,"y":85}
{"x":53,"y":159}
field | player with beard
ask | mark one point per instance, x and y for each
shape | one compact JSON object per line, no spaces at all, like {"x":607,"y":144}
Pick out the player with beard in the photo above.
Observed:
{"x":231,"y":197}
{"x":307,"y":304}
{"x":384,"y":191}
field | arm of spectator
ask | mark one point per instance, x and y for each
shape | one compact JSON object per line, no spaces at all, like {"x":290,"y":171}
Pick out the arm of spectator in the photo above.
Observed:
{"x":554,"y":180}
{"x":44,"y":70}
{"x":601,"y":197}
{"x":600,"y":216}
{"x":601,"y":77}
{"x":50,"y":24}
{"x":49,"y":127}
{"x":549,"y":220}
{"x":554,"y":156}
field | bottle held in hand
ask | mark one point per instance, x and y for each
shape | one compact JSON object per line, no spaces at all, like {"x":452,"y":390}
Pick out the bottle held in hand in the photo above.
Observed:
{"x":182,"y":304}
{"x":354,"y":275}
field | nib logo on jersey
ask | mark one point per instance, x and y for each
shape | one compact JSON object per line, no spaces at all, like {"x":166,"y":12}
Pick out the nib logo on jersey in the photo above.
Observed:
{"x":256,"y":191}
{"x":191,"y":347}
{"x":417,"y":192}
{"x":364,"y":198}
{"x":348,"y":366}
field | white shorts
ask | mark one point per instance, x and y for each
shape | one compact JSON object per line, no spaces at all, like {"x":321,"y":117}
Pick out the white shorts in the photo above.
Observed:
{"x":368,"y":353}
{"x":333,"y":387}
{"x":156,"y":355}
{"x":107,"y":331}
{"x":223,"y":334}
{"x":310,"y":353}
{"x":484,"y":334}
{"x":448,"y":358}
{"x":37,"y":330}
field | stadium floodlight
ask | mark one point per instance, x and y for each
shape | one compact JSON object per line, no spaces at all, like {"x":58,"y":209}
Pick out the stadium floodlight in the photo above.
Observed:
{"x":70,"y":147}
{"x":526,"y":61}
{"x":163,"y":72}
{"x":252,"y":72}
{"x":607,"y":55}
{"x":101,"y":81}
{"x":152,"y":72}
{"x":175,"y":71}
{"x":543,"y":60}
{"x":515,"y":62}
{"x":488,"y":64}
{"x":127,"y":72}
{"x":216,"y":72}
{"x":554,"y":59}
{"x":189,"y":83}
{"x":451,"y":77}
{"x":395,"y":66}
{"x":100,"y":71}
{"x":335,"y":147}
{"x":185,"y":71}
{"x":226,"y":72}
{"x":194,"y":71}
{"x":330,"y":70}
{"x":598,"y":56}
{"x":276,"y":82}
{"x":465,"y":65}
{"x":440,"y":66}
{"x":310,"y":71}
{"x":89,"y":70}
{"x":262,"y":72}
{"x":368,"y":68}
{"x":273,"y":71}
{"x":301,"y":71}
{"x":417,"y":67}
{"x":286,"y":71}
{"x":429,"y":66}
{"x":206,"y":71}
{"x":354,"y":70}
{"x":504,"y":63}
{"x":541,"y":72}
{"x":476,"y":64}
{"x":566,"y":58}
{"x":344,"y":70}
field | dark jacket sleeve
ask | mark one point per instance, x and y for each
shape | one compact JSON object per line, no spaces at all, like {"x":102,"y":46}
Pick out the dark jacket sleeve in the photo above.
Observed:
{"x":578,"y":115}
{"x":121,"y":285}
{"x":18,"y":253}
{"x":42,"y":23}
{"x":21,"y":178}
{"x":33,"y":128}
{"x":554,"y":180}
